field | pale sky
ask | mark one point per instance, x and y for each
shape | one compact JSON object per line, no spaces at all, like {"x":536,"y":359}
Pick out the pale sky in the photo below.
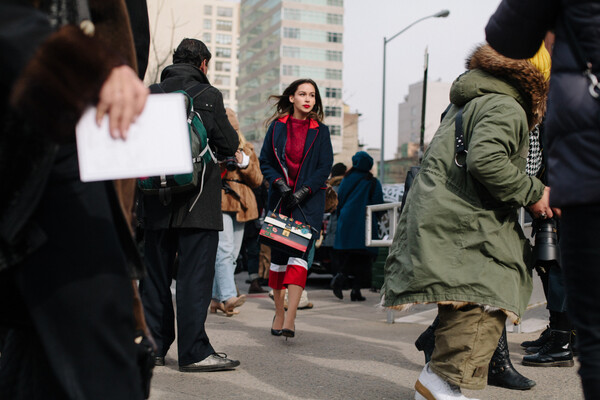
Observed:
{"x":449,"y":40}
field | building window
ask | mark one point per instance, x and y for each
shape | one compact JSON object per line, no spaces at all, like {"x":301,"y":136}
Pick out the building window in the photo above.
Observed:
{"x":207,"y":24}
{"x":224,"y":25}
{"x":333,"y":111}
{"x":333,"y":93}
{"x":333,"y":74}
{"x":224,"y":12}
{"x":225,"y":94}
{"x":208,"y":10}
{"x":334,"y":37}
{"x":292,"y":70}
{"x":206,"y":37}
{"x":223,"y":52}
{"x":224,"y":66}
{"x":293,"y":52}
{"x":292,"y":14}
{"x":222,"y":80}
{"x":335,"y":2}
{"x":335,"y":19}
{"x":335,"y":130}
{"x":291,"y":33}
{"x":333,"y":55}
{"x":222,"y":38}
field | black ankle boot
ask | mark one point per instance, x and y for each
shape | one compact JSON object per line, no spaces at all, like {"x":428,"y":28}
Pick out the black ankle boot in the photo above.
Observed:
{"x":533,"y":346}
{"x":337,"y":283}
{"x":355,"y":295}
{"x":426,"y":340}
{"x":501,"y":372}
{"x":555,"y":353}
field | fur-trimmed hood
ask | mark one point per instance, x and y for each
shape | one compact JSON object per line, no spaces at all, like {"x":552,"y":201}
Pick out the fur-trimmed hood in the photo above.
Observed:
{"x":517,"y":78}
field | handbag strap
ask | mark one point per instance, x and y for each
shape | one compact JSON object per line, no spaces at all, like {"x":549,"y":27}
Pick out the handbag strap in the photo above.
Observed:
{"x":580,"y":57}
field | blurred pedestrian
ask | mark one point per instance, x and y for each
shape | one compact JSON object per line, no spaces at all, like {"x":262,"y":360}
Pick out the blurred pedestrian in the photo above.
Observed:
{"x":326,"y":250}
{"x":66,"y":252}
{"x":459,"y":243}
{"x":250,"y":243}
{"x":572,"y":131}
{"x":358,"y":189}
{"x":187,"y":228}
{"x":296,"y":158}
{"x":239,"y":176}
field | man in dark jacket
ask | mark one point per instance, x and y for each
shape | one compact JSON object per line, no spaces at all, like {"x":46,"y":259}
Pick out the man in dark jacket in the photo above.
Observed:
{"x":186,"y":231}
{"x":572,"y":131}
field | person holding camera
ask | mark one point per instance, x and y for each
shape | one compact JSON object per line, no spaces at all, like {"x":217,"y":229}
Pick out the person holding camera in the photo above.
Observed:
{"x":296,"y":159}
{"x":459,"y":243}
{"x":239,"y":175}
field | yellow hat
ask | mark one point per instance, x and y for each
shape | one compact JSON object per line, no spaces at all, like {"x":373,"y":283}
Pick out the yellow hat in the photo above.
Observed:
{"x":541,"y":60}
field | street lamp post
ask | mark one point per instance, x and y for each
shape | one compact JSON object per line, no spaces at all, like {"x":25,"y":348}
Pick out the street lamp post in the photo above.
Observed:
{"x":440,"y":14}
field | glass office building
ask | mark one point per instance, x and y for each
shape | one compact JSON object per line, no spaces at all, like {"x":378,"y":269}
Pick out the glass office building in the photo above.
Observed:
{"x":284,"y":40}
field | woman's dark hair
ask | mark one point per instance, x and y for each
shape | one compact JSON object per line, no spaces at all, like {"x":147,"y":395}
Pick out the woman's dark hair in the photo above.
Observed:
{"x":191,"y":51}
{"x":284,"y":107}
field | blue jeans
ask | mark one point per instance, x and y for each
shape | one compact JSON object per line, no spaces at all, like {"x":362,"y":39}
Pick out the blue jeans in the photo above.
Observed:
{"x":230,"y":241}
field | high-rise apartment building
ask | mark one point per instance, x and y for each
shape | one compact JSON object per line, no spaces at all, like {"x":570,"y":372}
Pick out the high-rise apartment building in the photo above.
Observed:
{"x":215,"y":22}
{"x":409,"y":113}
{"x":284,"y":40}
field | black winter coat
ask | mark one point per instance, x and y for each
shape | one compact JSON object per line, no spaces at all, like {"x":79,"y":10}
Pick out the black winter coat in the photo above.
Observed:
{"x":222,"y":138}
{"x":316,"y":164}
{"x":516,"y":30}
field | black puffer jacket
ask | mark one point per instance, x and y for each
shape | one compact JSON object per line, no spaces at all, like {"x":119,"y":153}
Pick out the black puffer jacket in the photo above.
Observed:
{"x":572,"y":124}
{"x":222,"y":138}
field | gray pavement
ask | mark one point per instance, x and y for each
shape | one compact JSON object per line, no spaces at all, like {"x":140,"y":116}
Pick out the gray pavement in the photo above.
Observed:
{"x":342,"y":350}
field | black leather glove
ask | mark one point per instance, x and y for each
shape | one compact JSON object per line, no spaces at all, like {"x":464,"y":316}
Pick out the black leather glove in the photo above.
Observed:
{"x":298,"y":197}
{"x":283,"y":189}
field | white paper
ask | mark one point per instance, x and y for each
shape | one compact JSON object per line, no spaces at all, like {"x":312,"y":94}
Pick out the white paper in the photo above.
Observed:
{"x":157,"y":143}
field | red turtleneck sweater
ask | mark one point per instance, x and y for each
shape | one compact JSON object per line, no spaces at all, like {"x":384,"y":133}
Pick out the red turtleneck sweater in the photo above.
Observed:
{"x":294,"y":148}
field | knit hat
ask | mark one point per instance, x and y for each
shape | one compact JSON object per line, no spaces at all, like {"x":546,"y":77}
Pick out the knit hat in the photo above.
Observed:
{"x":338,"y":169}
{"x":541,"y":60}
{"x":362,"y":161}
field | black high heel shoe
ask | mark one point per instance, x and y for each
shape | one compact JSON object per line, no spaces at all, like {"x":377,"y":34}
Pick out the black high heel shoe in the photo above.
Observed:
{"x":355,"y":295}
{"x":288,"y":333}
{"x":276,"y":332}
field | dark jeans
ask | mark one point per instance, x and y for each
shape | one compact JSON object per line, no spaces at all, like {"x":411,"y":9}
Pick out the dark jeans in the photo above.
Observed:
{"x":252,"y":250}
{"x":196,"y":250}
{"x":580,"y":255}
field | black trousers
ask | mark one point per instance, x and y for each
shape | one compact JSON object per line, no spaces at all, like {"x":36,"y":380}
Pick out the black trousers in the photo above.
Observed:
{"x":69,"y":305}
{"x":357,"y":263}
{"x":196,"y":250}
{"x":580,"y":256}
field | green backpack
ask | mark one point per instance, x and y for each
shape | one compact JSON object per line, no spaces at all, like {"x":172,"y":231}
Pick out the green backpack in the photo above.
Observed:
{"x":165,"y":185}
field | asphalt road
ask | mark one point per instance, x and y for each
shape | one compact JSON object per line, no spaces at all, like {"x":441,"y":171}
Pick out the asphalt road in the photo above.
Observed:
{"x":342,"y":350}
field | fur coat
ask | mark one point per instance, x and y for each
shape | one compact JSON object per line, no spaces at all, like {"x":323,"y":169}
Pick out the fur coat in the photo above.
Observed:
{"x":458,"y":239}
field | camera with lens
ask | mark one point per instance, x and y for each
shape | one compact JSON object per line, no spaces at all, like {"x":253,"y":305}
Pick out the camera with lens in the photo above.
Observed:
{"x":546,"y":252}
{"x":229,"y":162}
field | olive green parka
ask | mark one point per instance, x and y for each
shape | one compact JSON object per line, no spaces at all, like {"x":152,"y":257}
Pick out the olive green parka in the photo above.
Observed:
{"x":458,"y":239}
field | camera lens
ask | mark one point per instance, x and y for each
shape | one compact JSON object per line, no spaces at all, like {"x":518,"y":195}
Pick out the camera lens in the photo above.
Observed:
{"x":546,"y":242}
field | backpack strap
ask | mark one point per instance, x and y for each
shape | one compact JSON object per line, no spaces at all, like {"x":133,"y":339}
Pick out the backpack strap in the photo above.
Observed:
{"x":459,"y":138}
{"x":197,"y":89}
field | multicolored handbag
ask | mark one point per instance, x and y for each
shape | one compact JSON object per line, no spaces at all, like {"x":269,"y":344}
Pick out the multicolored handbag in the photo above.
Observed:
{"x":285,"y":234}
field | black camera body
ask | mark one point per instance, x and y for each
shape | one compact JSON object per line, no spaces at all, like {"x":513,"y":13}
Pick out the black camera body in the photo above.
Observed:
{"x":546,"y":252}
{"x":229,"y":162}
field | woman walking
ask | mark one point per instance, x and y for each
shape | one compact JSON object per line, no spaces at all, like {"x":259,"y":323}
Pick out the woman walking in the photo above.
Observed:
{"x":358,"y":190}
{"x":296,"y":158}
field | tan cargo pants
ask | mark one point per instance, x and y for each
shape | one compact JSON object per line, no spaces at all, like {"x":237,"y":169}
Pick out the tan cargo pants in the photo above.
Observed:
{"x":465,"y":340}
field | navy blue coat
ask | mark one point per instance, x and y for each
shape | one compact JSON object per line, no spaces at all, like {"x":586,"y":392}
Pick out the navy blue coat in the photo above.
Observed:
{"x":314,"y":170}
{"x":572,"y":125}
{"x":357,"y":190}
